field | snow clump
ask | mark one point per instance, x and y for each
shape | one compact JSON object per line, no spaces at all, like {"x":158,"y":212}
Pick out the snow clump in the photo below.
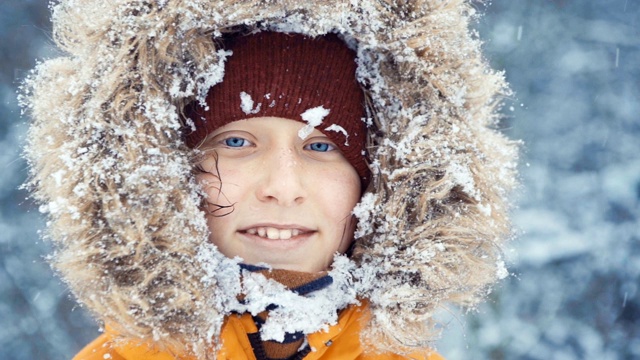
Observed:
{"x":246,"y":104}
{"x":298,"y":313}
{"x":313,"y":117}
{"x":340,"y":129}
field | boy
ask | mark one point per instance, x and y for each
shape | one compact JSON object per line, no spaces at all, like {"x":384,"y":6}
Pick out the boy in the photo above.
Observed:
{"x":270,"y":180}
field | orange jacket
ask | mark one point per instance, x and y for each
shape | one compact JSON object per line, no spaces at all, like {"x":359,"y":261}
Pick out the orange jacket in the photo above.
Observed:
{"x":341,"y":342}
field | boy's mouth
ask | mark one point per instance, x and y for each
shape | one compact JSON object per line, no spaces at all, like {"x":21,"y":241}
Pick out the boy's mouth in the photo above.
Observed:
{"x":273,"y":233}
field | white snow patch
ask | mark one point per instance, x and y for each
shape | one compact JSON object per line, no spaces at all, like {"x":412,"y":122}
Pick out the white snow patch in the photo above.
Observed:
{"x":340,"y":129}
{"x":501,"y":270}
{"x":308,"y":314}
{"x":461,"y":175}
{"x":485,"y":209}
{"x":459,"y":97}
{"x":313,"y":117}
{"x":363,"y":211}
{"x":80,"y":190}
{"x":222,"y":275}
{"x":57,"y":176}
{"x":212,"y":76}
{"x":246,"y":104}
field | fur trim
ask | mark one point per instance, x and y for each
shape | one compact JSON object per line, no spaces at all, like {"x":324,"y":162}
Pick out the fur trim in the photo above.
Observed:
{"x":110,"y":169}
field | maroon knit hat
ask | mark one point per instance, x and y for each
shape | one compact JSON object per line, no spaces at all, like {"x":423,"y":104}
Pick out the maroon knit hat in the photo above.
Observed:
{"x":284,"y":75}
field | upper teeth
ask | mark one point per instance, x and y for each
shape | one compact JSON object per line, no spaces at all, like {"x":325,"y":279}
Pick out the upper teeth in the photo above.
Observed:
{"x":273,"y":233}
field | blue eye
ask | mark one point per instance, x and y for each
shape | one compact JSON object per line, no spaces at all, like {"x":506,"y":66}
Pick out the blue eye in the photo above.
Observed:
{"x":235,"y":142}
{"x":320,"y":146}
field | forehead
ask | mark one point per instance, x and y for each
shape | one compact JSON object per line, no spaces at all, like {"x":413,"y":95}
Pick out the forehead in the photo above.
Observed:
{"x":269,"y":126}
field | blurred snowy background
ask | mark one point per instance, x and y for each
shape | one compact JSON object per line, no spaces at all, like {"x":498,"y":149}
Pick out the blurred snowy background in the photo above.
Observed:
{"x":575,"y":68}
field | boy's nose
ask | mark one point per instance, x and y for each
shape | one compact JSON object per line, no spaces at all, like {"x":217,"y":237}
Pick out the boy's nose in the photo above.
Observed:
{"x":281,"y":179}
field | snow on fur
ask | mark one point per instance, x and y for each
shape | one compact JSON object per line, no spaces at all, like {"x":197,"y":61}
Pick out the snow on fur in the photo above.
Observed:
{"x":110,"y":168}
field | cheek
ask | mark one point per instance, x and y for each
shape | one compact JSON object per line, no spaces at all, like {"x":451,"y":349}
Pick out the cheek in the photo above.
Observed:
{"x":221,"y":194}
{"x":341,"y":197}
{"x":226,"y":182}
{"x":233,"y":181}
{"x":209,"y":183}
{"x":220,"y":211}
{"x":215,"y":203}
{"x":340,"y":190}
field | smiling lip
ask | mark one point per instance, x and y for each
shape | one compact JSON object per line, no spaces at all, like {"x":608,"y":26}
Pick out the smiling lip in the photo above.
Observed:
{"x":276,"y":232}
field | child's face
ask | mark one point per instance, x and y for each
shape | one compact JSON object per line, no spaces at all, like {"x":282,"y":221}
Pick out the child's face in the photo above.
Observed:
{"x":285,"y":201}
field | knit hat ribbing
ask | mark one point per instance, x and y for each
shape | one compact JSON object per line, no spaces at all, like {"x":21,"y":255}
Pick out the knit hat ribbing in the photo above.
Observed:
{"x":284,"y":75}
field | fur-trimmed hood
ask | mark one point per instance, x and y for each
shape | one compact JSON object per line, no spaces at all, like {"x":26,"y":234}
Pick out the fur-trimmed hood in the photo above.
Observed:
{"x":110,"y":168}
